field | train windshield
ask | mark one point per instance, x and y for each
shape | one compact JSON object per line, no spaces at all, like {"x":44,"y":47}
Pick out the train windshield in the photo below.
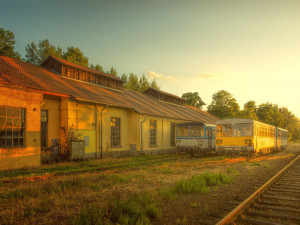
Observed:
{"x":183,"y":132}
{"x":234,"y":130}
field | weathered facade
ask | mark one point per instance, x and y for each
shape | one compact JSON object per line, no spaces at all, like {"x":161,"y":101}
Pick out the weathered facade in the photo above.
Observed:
{"x":63,"y":102}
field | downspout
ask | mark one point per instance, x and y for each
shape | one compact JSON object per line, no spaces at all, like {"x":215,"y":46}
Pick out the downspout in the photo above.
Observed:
{"x":96,"y":131}
{"x":142,"y":134}
{"x":101,"y":126}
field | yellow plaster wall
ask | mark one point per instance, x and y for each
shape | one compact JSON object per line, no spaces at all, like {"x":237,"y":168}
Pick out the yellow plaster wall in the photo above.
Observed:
{"x":54,"y":118}
{"x":28,"y":156}
{"x":163,"y":128}
{"x":82,"y":116}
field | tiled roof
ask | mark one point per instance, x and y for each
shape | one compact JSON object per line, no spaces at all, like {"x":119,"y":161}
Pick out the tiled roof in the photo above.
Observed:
{"x":18,"y":73}
{"x":82,"y":68}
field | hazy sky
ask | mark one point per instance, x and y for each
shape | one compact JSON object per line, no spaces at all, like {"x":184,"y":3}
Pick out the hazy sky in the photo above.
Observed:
{"x":249,"y":48}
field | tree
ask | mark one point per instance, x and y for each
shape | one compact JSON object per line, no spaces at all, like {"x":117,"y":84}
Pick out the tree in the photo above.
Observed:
{"x":249,"y":111}
{"x":113,"y":72}
{"x":133,"y":82}
{"x":223,"y":105}
{"x":75,"y":55}
{"x":36,"y":54}
{"x":97,"y":68}
{"x":154,"y":84}
{"x":193,"y":99}
{"x":7,"y":44}
{"x":270,"y":114}
{"x":143,"y":84}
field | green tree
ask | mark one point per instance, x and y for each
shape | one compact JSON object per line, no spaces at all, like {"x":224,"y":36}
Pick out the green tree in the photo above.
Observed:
{"x":75,"y":55}
{"x":154,"y":84}
{"x":113,"y":72}
{"x":7,"y":44}
{"x":193,"y":99}
{"x":223,"y":105}
{"x":249,"y":111}
{"x":270,"y":114}
{"x":133,"y":82}
{"x":143,"y":84}
{"x":36,"y":54}
{"x":97,"y":68}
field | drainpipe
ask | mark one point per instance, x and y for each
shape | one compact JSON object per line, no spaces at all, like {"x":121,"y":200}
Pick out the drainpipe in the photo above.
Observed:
{"x":96,"y":131}
{"x":101,"y":126}
{"x":142,"y":134}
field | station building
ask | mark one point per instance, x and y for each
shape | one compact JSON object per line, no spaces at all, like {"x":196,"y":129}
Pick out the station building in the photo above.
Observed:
{"x":59,"y":102}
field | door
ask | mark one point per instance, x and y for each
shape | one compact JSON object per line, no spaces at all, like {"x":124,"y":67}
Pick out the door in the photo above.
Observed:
{"x":209,"y":138}
{"x":44,"y":128}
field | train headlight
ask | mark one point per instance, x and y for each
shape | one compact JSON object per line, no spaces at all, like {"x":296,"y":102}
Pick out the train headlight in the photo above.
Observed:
{"x":218,"y":141}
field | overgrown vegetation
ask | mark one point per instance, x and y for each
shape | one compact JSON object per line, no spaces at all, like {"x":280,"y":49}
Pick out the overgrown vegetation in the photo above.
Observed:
{"x":140,"y":209}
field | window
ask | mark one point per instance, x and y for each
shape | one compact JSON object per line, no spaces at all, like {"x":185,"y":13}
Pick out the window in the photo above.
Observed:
{"x":197,"y":131}
{"x":115,"y":125}
{"x":182,"y":131}
{"x":44,"y":128}
{"x":152,"y":132}
{"x":172,"y":134}
{"x":12,"y":127}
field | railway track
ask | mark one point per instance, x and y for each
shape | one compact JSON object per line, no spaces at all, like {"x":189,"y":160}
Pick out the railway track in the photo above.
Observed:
{"x":276,"y":202}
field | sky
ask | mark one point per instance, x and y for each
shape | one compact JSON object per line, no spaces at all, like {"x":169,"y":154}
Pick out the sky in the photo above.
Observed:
{"x":250,"y":48}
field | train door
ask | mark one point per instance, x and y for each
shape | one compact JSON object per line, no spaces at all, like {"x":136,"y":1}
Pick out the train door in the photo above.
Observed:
{"x":209,"y":138}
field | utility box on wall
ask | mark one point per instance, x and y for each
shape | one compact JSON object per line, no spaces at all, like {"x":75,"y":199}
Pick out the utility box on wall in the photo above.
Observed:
{"x":77,"y":149}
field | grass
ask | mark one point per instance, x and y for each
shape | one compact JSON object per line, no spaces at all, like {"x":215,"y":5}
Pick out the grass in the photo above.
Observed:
{"x":137,"y":209}
{"x":89,"y":198}
{"x":141,"y":209}
{"x":255,"y":164}
{"x":89,"y":166}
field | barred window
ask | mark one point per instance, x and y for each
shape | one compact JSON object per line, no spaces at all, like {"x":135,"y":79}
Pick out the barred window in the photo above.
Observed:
{"x":115,"y":125}
{"x":172,"y":134}
{"x":12,"y":127}
{"x":152,"y":132}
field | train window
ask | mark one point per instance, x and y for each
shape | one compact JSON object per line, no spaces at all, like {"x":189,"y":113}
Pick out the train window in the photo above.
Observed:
{"x":242,"y":129}
{"x":224,"y":130}
{"x":196,"y":131}
{"x":183,"y":132}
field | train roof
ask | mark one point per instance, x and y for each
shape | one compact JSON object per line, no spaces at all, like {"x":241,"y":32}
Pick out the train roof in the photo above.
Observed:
{"x":282,"y":129}
{"x":235,"y":120}
{"x":191,"y":124}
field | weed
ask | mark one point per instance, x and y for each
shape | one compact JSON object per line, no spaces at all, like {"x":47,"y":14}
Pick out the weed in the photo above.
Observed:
{"x":266,"y":165}
{"x":255,"y":164}
{"x":193,"y":204}
{"x":232,"y":171}
{"x":89,"y":216}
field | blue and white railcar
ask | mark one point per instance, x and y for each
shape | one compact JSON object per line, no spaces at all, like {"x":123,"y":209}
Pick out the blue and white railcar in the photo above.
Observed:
{"x":282,"y":137}
{"x":196,"y":138}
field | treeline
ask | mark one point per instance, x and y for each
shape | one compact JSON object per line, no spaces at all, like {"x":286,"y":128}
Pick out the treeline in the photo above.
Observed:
{"x":224,"y":105}
{"x":36,"y":53}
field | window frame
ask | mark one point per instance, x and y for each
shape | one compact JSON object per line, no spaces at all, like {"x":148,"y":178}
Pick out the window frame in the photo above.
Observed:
{"x":17,"y":125}
{"x":172,"y":134}
{"x":153,"y":133}
{"x":115,"y":132}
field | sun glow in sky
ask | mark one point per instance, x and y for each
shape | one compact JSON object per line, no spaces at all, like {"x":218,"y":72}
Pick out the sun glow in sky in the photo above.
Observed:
{"x":250,"y":48}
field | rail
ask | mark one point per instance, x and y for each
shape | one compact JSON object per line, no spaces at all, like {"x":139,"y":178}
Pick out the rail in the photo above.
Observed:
{"x":229,"y":218}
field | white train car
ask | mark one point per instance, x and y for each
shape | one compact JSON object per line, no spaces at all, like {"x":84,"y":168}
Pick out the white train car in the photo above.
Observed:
{"x":196,"y":138}
{"x":282,"y":137}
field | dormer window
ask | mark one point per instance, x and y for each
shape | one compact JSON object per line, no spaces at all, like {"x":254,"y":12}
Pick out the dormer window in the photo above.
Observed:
{"x":86,"y":74}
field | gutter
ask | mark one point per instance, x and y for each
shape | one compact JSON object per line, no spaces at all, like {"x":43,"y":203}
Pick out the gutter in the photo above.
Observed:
{"x":142,"y":134}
